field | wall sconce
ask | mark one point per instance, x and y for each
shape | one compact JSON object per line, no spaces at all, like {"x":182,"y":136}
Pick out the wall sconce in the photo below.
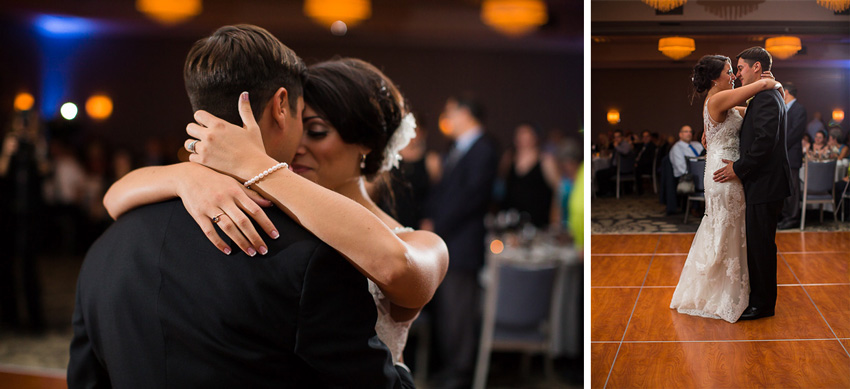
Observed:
{"x":613,"y":116}
{"x":838,"y":115}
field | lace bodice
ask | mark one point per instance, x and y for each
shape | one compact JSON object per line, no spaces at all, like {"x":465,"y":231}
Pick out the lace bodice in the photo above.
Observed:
{"x":391,"y":332}
{"x":714,"y":281}
{"x":722,"y":139}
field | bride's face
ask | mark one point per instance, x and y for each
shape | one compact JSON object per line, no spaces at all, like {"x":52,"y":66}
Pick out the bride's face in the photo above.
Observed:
{"x":322,"y":156}
{"x":727,"y":78}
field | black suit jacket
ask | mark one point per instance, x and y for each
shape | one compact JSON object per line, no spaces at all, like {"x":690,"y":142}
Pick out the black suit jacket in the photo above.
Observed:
{"x":796,"y":129}
{"x":763,"y":167}
{"x":158,"y":306}
{"x":458,"y":203}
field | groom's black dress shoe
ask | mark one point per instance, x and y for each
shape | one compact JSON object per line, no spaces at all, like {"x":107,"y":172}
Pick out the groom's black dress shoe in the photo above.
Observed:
{"x":752,"y":313}
{"x":788,"y":224}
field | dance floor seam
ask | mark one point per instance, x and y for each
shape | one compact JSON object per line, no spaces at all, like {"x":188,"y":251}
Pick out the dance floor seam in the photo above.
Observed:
{"x":630,"y":318}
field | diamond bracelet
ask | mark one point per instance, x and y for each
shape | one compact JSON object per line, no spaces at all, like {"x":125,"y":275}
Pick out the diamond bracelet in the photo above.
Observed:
{"x":262,"y":175}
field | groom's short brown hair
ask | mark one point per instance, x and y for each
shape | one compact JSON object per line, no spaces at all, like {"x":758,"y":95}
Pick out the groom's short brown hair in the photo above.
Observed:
{"x":757,"y":54}
{"x":241,"y":58}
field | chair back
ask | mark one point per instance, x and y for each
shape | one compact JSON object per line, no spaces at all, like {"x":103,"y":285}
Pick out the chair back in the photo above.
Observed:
{"x":696,"y":166}
{"x":525,"y":296}
{"x":625,"y":165}
{"x":819,"y":176}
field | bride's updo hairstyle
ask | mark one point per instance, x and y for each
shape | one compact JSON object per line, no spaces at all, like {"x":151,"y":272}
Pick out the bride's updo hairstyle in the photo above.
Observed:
{"x":361,"y":102}
{"x":707,"y":70}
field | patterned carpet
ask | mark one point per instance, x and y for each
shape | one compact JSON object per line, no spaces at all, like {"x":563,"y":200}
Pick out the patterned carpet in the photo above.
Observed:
{"x":644,"y":214}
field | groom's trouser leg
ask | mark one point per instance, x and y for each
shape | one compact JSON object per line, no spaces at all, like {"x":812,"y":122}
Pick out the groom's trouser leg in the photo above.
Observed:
{"x":761,"y":253}
{"x":791,"y":207}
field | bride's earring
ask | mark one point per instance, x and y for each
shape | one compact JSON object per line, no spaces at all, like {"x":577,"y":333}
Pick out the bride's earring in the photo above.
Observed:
{"x":362,"y":161}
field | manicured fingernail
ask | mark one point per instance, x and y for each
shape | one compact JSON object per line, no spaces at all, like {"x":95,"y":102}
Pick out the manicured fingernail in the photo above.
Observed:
{"x":275,"y":234}
{"x":251,"y":252}
{"x":264,"y":250}
{"x":227,"y":250}
{"x":244,"y":96}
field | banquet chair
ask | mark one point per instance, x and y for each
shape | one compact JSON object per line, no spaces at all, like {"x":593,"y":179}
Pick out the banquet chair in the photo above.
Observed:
{"x":818,"y":180}
{"x":845,"y":200}
{"x":625,"y":170}
{"x":653,"y":175}
{"x":696,"y":166}
{"x":521,"y":312}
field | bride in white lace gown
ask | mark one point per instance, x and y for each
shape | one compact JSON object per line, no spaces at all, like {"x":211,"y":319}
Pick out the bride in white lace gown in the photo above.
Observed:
{"x":714,"y":282}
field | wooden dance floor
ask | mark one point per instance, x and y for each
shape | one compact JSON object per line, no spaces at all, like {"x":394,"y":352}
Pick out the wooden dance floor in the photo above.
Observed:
{"x":638,"y":341}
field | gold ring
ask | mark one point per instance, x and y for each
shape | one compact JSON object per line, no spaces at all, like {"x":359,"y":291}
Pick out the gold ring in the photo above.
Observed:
{"x":217,"y":218}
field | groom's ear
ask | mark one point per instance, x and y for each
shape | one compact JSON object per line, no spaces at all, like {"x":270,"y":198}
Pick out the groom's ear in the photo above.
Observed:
{"x":757,"y":67}
{"x":280,"y":107}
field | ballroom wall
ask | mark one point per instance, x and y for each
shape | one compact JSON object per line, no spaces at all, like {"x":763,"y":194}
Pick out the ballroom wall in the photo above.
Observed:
{"x":143,"y":75}
{"x":660,"y":99}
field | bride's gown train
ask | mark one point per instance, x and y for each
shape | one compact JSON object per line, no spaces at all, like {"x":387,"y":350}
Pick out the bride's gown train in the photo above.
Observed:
{"x":715,"y":281}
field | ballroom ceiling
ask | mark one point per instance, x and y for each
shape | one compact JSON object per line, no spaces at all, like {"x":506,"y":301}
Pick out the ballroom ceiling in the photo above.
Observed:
{"x":436,"y":23}
{"x":625,"y":34}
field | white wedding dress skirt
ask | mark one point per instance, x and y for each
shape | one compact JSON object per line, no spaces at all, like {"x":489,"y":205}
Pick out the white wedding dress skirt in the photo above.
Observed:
{"x":715,"y":280}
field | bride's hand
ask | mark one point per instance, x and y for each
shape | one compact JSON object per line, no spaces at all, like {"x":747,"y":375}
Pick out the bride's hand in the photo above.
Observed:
{"x":767,"y":74}
{"x":207,"y":195}
{"x":228,"y":148}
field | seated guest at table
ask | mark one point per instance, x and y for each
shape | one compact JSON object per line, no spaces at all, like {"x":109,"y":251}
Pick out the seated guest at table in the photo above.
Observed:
{"x":807,"y":143}
{"x":625,"y":150}
{"x":685,"y":148}
{"x":644,"y":159}
{"x":819,"y":151}
{"x":816,"y":125}
{"x":530,"y":176}
{"x":602,"y":145}
{"x":835,"y":144}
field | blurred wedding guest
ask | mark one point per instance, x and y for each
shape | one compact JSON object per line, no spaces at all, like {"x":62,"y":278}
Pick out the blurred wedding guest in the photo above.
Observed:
{"x":819,"y":149}
{"x":796,"y":128}
{"x":23,"y":166}
{"x":154,"y":154}
{"x":684,"y":148}
{"x":576,"y":216}
{"x":554,"y":137}
{"x":65,"y":192}
{"x":97,"y":171}
{"x":530,"y":176}
{"x":404,"y":190}
{"x":569,"y":159}
{"x":815,"y":125}
{"x":644,"y":159}
{"x":661,"y":145}
{"x":455,"y":211}
{"x":623,"y":149}
{"x":122,"y":163}
{"x":806,"y":143}
{"x":835,"y":145}
{"x":602,"y":145}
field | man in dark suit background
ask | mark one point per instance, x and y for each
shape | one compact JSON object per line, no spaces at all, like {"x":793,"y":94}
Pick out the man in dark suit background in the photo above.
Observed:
{"x":159,"y":306}
{"x":763,"y":169}
{"x":456,"y":210}
{"x":796,"y":129}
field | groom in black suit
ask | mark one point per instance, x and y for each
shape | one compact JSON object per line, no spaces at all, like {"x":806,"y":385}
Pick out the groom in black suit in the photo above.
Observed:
{"x":764,"y":170}
{"x":159,"y":306}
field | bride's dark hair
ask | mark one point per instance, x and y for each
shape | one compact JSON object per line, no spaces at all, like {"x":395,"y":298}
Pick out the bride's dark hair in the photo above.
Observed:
{"x":362,"y":103}
{"x":707,"y":70}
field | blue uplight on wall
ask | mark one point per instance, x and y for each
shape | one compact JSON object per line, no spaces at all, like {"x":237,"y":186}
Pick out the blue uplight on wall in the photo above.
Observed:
{"x":63,"y":26}
{"x":59,"y":40}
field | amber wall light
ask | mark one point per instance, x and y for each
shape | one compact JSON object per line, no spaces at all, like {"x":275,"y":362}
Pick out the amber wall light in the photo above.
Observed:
{"x":838,"y":115}
{"x":99,"y":107}
{"x":24,"y":101}
{"x":613,"y":116}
